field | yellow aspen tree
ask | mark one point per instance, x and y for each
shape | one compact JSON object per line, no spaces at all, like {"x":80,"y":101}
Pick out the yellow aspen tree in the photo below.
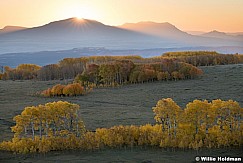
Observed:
{"x":167,"y":113}
{"x":196,"y":113}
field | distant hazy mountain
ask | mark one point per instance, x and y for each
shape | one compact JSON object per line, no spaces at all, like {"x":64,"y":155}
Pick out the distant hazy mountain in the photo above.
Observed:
{"x":74,"y":28}
{"x":48,"y":57}
{"x":195,"y":32}
{"x":75,"y":33}
{"x":156,"y":29}
{"x":235,"y":33}
{"x":9,"y":29}
{"x":223,"y":35}
{"x":169,"y":31}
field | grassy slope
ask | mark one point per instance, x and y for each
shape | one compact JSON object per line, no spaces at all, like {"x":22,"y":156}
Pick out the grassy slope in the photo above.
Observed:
{"x":130,"y":104}
{"x":136,"y":155}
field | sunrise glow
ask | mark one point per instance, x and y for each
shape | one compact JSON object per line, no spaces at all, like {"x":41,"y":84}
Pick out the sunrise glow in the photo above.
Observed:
{"x":200,"y":15}
{"x":80,"y":12}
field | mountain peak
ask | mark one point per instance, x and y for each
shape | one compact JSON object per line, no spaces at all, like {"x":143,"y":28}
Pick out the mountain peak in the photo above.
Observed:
{"x":147,"y":23}
{"x":74,"y":21}
{"x":157,"y":29}
{"x":9,"y":28}
{"x":67,"y":27}
{"x":214,"y":33}
{"x":222,"y":35}
{"x":74,"y":32}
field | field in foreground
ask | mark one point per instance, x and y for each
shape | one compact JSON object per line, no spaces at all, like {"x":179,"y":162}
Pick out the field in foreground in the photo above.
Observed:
{"x":137,"y":155}
{"x":130,"y":104}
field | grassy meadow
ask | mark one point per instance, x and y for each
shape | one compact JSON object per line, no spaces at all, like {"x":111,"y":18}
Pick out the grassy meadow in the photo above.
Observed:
{"x":126,"y":105}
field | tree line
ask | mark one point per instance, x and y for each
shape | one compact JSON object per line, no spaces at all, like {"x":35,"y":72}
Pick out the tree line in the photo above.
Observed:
{"x":69,"y":68}
{"x":21,"y":72}
{"x":109,"y":73}
{"x":122,"y":72}
{"x":205,"y":58}
{"x":201,"y":124}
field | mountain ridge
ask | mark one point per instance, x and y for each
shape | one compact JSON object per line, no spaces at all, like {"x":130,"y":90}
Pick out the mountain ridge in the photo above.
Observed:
{"x":158,"y":29}
{"x":10,"y":28}
{"x":223,"y":35}
{"x":77,"y":33}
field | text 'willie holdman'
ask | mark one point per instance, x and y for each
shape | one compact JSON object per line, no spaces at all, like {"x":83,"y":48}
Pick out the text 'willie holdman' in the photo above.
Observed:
{"x":219,"y":159}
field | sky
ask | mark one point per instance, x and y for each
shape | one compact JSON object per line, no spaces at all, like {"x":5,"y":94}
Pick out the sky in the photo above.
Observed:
{"x":187,"y":15}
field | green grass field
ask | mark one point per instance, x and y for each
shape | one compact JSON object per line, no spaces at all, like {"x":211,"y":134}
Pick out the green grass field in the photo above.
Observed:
{"x":130,"y":104}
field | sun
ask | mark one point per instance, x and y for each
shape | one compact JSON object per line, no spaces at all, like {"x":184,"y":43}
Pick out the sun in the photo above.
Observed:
{"x":79,"y":17}
{"x":82,"y":12}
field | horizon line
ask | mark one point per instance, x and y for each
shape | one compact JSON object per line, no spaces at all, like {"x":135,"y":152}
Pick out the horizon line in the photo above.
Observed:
{"x":143,"y":21}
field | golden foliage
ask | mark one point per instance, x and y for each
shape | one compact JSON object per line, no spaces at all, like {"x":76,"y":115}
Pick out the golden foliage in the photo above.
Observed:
{"x":204,"y":58}
{"x":74,"y":89}
{"x":201,"y":124}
